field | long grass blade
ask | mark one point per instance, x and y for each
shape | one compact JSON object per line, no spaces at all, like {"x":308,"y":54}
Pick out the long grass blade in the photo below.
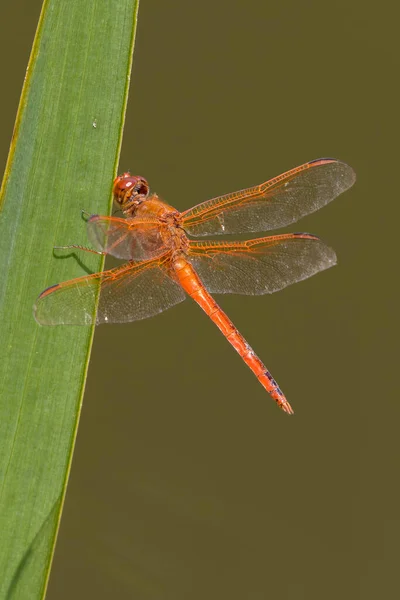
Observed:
{"x":62,"y":158}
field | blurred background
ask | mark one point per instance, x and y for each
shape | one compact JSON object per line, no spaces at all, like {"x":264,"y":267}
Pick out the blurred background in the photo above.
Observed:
{"x":187,"y":481}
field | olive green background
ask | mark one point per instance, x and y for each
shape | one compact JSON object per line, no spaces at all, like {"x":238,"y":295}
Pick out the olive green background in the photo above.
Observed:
{"x":187,"y":481}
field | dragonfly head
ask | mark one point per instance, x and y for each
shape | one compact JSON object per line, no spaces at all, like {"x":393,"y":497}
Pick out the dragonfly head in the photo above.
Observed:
{"x":129,"y":191}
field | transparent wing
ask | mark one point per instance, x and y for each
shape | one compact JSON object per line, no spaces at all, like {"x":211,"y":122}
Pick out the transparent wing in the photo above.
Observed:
{"x":129,"y":293}
{"x":261,"y":266}
{"x":130,"y":239}
{"x":276,"y":203}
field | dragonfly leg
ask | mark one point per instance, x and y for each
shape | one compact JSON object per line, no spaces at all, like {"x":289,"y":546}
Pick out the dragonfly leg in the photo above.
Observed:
{"x":77,"y":247}
{"x":85,"y":213}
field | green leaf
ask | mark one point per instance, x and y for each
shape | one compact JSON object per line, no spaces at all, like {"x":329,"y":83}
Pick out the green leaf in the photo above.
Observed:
{"x":63,"y":158}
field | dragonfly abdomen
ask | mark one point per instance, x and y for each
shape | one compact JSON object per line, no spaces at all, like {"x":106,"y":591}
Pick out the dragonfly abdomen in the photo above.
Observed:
{"x":193,"y":286}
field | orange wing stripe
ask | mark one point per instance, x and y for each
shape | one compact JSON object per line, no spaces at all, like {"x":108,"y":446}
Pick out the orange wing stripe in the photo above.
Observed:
{"x":275,"y":203}
{"x":131,"y":239}
{"x":128,"y":293}
{"x":260,"y":266}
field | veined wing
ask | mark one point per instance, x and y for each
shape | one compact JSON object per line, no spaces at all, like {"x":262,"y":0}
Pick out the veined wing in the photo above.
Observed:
{"x":131,"y":239}
{"x":273,"y":204}
{"x":131,"y":292}
{"x":261,"y":266}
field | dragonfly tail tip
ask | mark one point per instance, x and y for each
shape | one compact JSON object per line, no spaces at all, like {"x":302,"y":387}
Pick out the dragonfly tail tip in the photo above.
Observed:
{"x":287,"y":408}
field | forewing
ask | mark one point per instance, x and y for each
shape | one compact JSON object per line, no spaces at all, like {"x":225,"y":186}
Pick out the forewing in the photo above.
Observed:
{"x":276,"y":203}
{"x":261,"y":266}
{"x":129,"y":293}
{"x":129,"y":239}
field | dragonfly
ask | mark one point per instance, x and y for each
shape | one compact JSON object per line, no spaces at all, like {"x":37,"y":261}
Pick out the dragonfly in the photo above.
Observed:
{"x":164,"y":265}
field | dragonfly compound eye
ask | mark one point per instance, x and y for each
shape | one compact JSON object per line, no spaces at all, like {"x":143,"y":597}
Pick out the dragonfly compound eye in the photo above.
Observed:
{"x":126,"y":187}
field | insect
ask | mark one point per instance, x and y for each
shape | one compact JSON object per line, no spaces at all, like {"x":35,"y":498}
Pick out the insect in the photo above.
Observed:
{"x":164,"y":264}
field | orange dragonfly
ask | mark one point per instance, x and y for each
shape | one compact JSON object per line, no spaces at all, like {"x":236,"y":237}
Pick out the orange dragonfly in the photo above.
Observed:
{"x":163,"y":263}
